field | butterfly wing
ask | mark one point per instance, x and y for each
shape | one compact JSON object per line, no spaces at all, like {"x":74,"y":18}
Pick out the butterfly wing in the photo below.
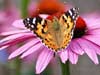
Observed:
{"x":67,"y":22}
{"x":57,"y":33}
{"x":37,"y":25}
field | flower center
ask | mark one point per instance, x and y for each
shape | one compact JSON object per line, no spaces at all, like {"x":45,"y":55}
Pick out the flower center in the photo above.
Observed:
{"x":80,"y":28}
{"x":49,"y":7}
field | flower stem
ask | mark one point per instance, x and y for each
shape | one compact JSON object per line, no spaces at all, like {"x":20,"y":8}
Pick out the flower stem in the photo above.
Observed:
{"x":18,"y":66}
{"x":24,"y":8}
{"x":15,"y":66}
{"x":65,"y":68}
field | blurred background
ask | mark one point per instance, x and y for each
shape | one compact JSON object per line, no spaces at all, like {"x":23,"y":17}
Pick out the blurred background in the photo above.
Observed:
{"x":10,"y":10}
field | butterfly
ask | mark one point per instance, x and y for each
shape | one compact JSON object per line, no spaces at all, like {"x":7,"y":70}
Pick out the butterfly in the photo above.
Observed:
{"x":57,"y":33}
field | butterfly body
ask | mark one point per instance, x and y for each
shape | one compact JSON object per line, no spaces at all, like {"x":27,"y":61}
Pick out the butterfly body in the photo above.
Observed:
{"x":57,"y":33}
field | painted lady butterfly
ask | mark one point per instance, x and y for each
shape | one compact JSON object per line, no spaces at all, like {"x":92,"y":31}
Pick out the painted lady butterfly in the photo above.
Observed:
{"x":56,"y":34}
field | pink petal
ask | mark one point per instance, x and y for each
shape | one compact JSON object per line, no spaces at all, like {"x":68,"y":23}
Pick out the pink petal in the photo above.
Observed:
{"x":73,"y":57}
{"x":89,"y":49}
{"x":23,"y":48}
{"x":43,"y":60}
{"x":64,"y":56}
{"x":17,"y":40}
{"x":12,"y":37}
{"x":94,"y":31}
{"x":95,"y":47}
{"x":13,"y":32}
{"x":93,"y":38}
{"x":75,"y":47}
{"x":32,"y":49}
{"x":93,"y":23}
{"x":91,"y":15}
{"x":19,"y":24}
{"x":1,"y":48}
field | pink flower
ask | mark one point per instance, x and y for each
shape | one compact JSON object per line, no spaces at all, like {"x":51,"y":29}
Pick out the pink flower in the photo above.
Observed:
{"x":7,"y":16}
{"x":85,"y":40}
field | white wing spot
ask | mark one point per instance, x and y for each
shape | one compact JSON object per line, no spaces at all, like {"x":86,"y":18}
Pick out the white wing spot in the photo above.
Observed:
{"x":28,"y":19}
{"x":32,"y":26}
{"x":74,"y":9}
{"x":29,"y":24}
{"x":34,"y":20}
{"x":73,"y":17}
{"x":70,"y":12}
